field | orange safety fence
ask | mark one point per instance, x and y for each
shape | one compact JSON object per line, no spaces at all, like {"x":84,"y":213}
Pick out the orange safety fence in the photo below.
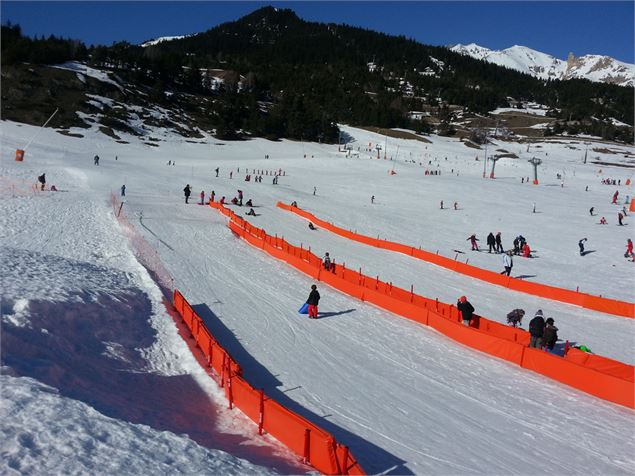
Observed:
{"x":317,"y":447}
{"x":605,"y":378}
{"x":588,"y":301}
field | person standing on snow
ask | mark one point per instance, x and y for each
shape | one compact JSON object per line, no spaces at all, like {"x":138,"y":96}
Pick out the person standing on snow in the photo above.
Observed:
{"x":202,"y":197}
{"x":240,"y":198}
{"x":629,"y":248}
{"x":123,"y":190}
{"x":550,"y":335}
{"x":473,"y":239}
{"x":42,"y":180}
{"x":591,"y":210}
{"x":620,"y":217}
{"x":615,"y":195}
{"x":216,"y":170}
{"x":491,"y":242}
{"x":499,"y":243}
{"x":508,"y":263}
{"x":466,"y":309}
{"x":536,"y":330}
{"x":96,"y":160}
{"x":211,"y":197}
{"x":581,"y":245}
{"x":326,"y":261}
{"x":312,"y":301}
{"x":187,"y":191}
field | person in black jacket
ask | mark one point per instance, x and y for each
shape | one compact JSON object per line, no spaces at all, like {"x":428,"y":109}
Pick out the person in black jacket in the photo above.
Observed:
{"x":536,"y":330}
{"x":187,"y":191}
{"x":499,"y":243}
{"x":491,"y":242}
{"x":314,"y":299}
{"x":466,"y":309}
{"x":550,"y":334}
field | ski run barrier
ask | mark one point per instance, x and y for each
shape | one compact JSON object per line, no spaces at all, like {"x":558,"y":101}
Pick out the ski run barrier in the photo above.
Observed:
{"x":316,"y":447}
{"x":602,"y":377}
{"x":587,"y":301}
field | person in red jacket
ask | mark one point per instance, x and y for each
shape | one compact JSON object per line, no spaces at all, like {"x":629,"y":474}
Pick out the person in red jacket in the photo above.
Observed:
{"x":526,"y":251}
{"x":473,"y":239}
{"x":629,"y":248}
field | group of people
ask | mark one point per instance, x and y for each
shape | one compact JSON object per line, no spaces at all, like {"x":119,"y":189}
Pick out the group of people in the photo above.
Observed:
{"x":543,"y":333}
{"x":608,"y":181}
{"x":455,"y":206}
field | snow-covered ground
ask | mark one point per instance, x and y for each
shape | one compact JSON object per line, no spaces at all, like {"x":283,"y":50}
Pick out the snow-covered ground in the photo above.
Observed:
{"x":94,"y":366}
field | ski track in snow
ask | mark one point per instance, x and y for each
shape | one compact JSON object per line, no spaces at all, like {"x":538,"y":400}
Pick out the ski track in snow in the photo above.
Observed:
{"x":404,"y":398}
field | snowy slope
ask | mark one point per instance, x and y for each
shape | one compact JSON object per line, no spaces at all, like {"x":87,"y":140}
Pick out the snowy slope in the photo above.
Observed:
{"x":596,"y":68}
{"x":401,"y":396}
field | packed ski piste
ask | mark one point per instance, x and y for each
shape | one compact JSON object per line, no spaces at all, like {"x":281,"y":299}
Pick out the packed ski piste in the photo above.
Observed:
{"x":99,"y":377}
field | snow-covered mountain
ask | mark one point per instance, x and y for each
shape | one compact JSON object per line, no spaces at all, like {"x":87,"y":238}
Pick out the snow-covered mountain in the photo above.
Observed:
{"x":156,"y":41}
{"x":596,"y":68}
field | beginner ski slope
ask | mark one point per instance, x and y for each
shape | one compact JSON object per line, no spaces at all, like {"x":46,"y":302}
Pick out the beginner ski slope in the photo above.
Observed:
{"x":405,"y":399}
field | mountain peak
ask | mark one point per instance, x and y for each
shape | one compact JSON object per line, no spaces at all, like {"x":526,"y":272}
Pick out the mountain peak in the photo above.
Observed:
{"x":270,"y":15}
{"x":544,"y":66}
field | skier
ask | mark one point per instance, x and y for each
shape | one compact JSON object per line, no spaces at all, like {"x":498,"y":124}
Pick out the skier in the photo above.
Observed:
{"x":42,"y":180}
{"x":187,"y":191}
{"x":222,"y":200}
{"x":240,"y":198}
{"x":251,"y":212}
{"x":615,"y":196}
{"x":231,"y":174}
{"x":314,"y":299}
{"x":473,"y":239}
{"x":581,"y":245}
{"x":591,"y":210}
{"x":326,"y":261}
{"x":466,"y":309}
{"x":441,"y":204}
{"x":620,"y":217}
{"x":603,"y":221}
{"x":499,"y":243}
{"x":96,"y":160}
{"x":294,"y":204}
{"x":314,"y":190}
{"x":456,"y":205}
{"x":216,"y":170}
{"x":629,"y":248}
{"x":515,"y":317}
{"x":536,"y":330}
{"x":550,"y":335}
{"x":212,"y":195}
{"x":311,"y":226}
{"x":249,"y":203}
{"x":516,"y":246}
{"x":123,"y":190}
{"x":508,"y":263}
{"x":534,"y":210}
{"x":491,"y":242}
{"x":372,"y":199}
{"x":202,"y":197}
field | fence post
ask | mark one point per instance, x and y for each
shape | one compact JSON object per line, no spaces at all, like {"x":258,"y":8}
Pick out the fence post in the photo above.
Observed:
{"x":230,"y":395}
{"x":345,"y":460}
{"x":261,"y":416}
{"x":222,"y":371}
{"x":307,"y":446}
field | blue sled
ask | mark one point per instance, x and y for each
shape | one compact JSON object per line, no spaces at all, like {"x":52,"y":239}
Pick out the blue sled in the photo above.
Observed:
{"x":304,"y":309}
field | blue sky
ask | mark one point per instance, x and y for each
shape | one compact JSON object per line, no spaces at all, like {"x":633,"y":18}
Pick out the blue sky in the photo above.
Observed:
{"x":552,"y":27}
